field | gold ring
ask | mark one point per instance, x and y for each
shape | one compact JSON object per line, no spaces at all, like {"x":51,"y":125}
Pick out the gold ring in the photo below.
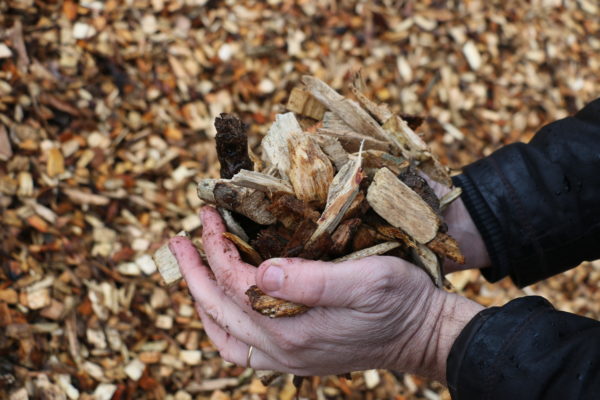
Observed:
{"x":250,"y":350}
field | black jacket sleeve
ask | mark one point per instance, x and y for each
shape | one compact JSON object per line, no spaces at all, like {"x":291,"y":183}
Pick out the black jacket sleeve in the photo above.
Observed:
{"x":526,"y":350}
{"x":537,"y":205}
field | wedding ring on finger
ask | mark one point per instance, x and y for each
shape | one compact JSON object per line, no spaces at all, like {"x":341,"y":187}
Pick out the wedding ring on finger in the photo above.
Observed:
{"x":250,"y":350}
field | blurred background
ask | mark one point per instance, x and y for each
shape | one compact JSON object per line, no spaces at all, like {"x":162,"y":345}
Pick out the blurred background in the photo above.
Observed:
{"x":106,"y":111}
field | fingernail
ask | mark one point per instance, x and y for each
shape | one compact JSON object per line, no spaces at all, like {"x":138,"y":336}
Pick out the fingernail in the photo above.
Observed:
{"x":273,"y":279}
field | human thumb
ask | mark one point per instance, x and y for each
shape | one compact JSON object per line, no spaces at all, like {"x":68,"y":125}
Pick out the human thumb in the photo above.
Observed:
{"x":312,"y":283}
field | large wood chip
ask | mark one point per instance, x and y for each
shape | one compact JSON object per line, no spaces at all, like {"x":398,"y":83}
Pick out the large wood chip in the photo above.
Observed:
{"x":402,"y":207}
{"x":310,"y":171}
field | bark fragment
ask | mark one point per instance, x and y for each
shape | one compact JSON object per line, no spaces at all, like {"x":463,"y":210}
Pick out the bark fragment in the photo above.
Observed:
{"x":273,"y":307}
{"x":232,"y":145}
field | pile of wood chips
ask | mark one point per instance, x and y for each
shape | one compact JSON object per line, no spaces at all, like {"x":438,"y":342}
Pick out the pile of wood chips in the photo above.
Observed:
{"x":334,"y":181}
{"x":107,"y":113}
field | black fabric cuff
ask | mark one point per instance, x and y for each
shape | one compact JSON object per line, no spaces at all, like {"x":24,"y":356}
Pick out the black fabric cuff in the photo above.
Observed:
{"x":488,"y":226}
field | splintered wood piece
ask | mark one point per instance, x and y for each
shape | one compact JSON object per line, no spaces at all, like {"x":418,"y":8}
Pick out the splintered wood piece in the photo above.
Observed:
{"x":301,"y":102}
{"x":428,"y":261}
{"x":334,"y":150}
{"x":275,"y":143}
{"x":310,"y":170}
{"x":444,"y":245}
{"x":449,"y":197}
{"x":271,"y":306}
{"x":262,"y":182}
{"x":348,"y":110}
{"x":206,"y":189}
{"x":379,"y":159}
{"x":400,"y":206}
{"x":167,"y":263}
{"x":249,"y":202}
{"x":232,"y":225}
{"x":342,"y":192}
{"x":250,"y":254}
{"x":413,"y":147}
{"x":378,"y":249}
{"x":379,"y":111}
{"x":232,"y":145}
{"x":342,"y":236}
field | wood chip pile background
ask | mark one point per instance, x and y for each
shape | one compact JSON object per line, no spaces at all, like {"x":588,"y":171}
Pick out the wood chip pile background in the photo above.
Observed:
{"x":106,"y":126}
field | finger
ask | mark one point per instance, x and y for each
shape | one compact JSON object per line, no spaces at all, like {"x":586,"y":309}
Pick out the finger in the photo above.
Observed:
{"x":233,"y":349}
{"x":318,"y":283}
{"x":234,"y":275}
{"x":234,"y":318}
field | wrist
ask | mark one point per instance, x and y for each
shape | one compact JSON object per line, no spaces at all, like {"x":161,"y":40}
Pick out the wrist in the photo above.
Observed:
{"x":445,"y":317}
{"x":462,"y":228}
{"x":455,"y":314}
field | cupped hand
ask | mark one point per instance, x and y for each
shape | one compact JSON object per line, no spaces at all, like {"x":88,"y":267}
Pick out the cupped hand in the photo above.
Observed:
{"x":378,"y":312}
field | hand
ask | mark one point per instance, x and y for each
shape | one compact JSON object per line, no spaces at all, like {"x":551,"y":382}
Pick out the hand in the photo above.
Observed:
{"x":462,"y":228}
{"x":378,"y":312}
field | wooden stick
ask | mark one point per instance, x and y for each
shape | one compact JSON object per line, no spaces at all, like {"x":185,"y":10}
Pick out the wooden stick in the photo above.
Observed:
{"x":249,"y":202}
{"x":262,"y":182}
{"x":378,"y":249}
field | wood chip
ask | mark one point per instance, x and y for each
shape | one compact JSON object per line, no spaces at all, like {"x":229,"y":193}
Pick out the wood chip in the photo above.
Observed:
{"x":401,"y":207}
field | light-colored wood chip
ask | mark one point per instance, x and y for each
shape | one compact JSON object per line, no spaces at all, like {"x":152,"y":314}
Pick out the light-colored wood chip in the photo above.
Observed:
{"x":402,"y":207}
{"x":310,"y":171}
